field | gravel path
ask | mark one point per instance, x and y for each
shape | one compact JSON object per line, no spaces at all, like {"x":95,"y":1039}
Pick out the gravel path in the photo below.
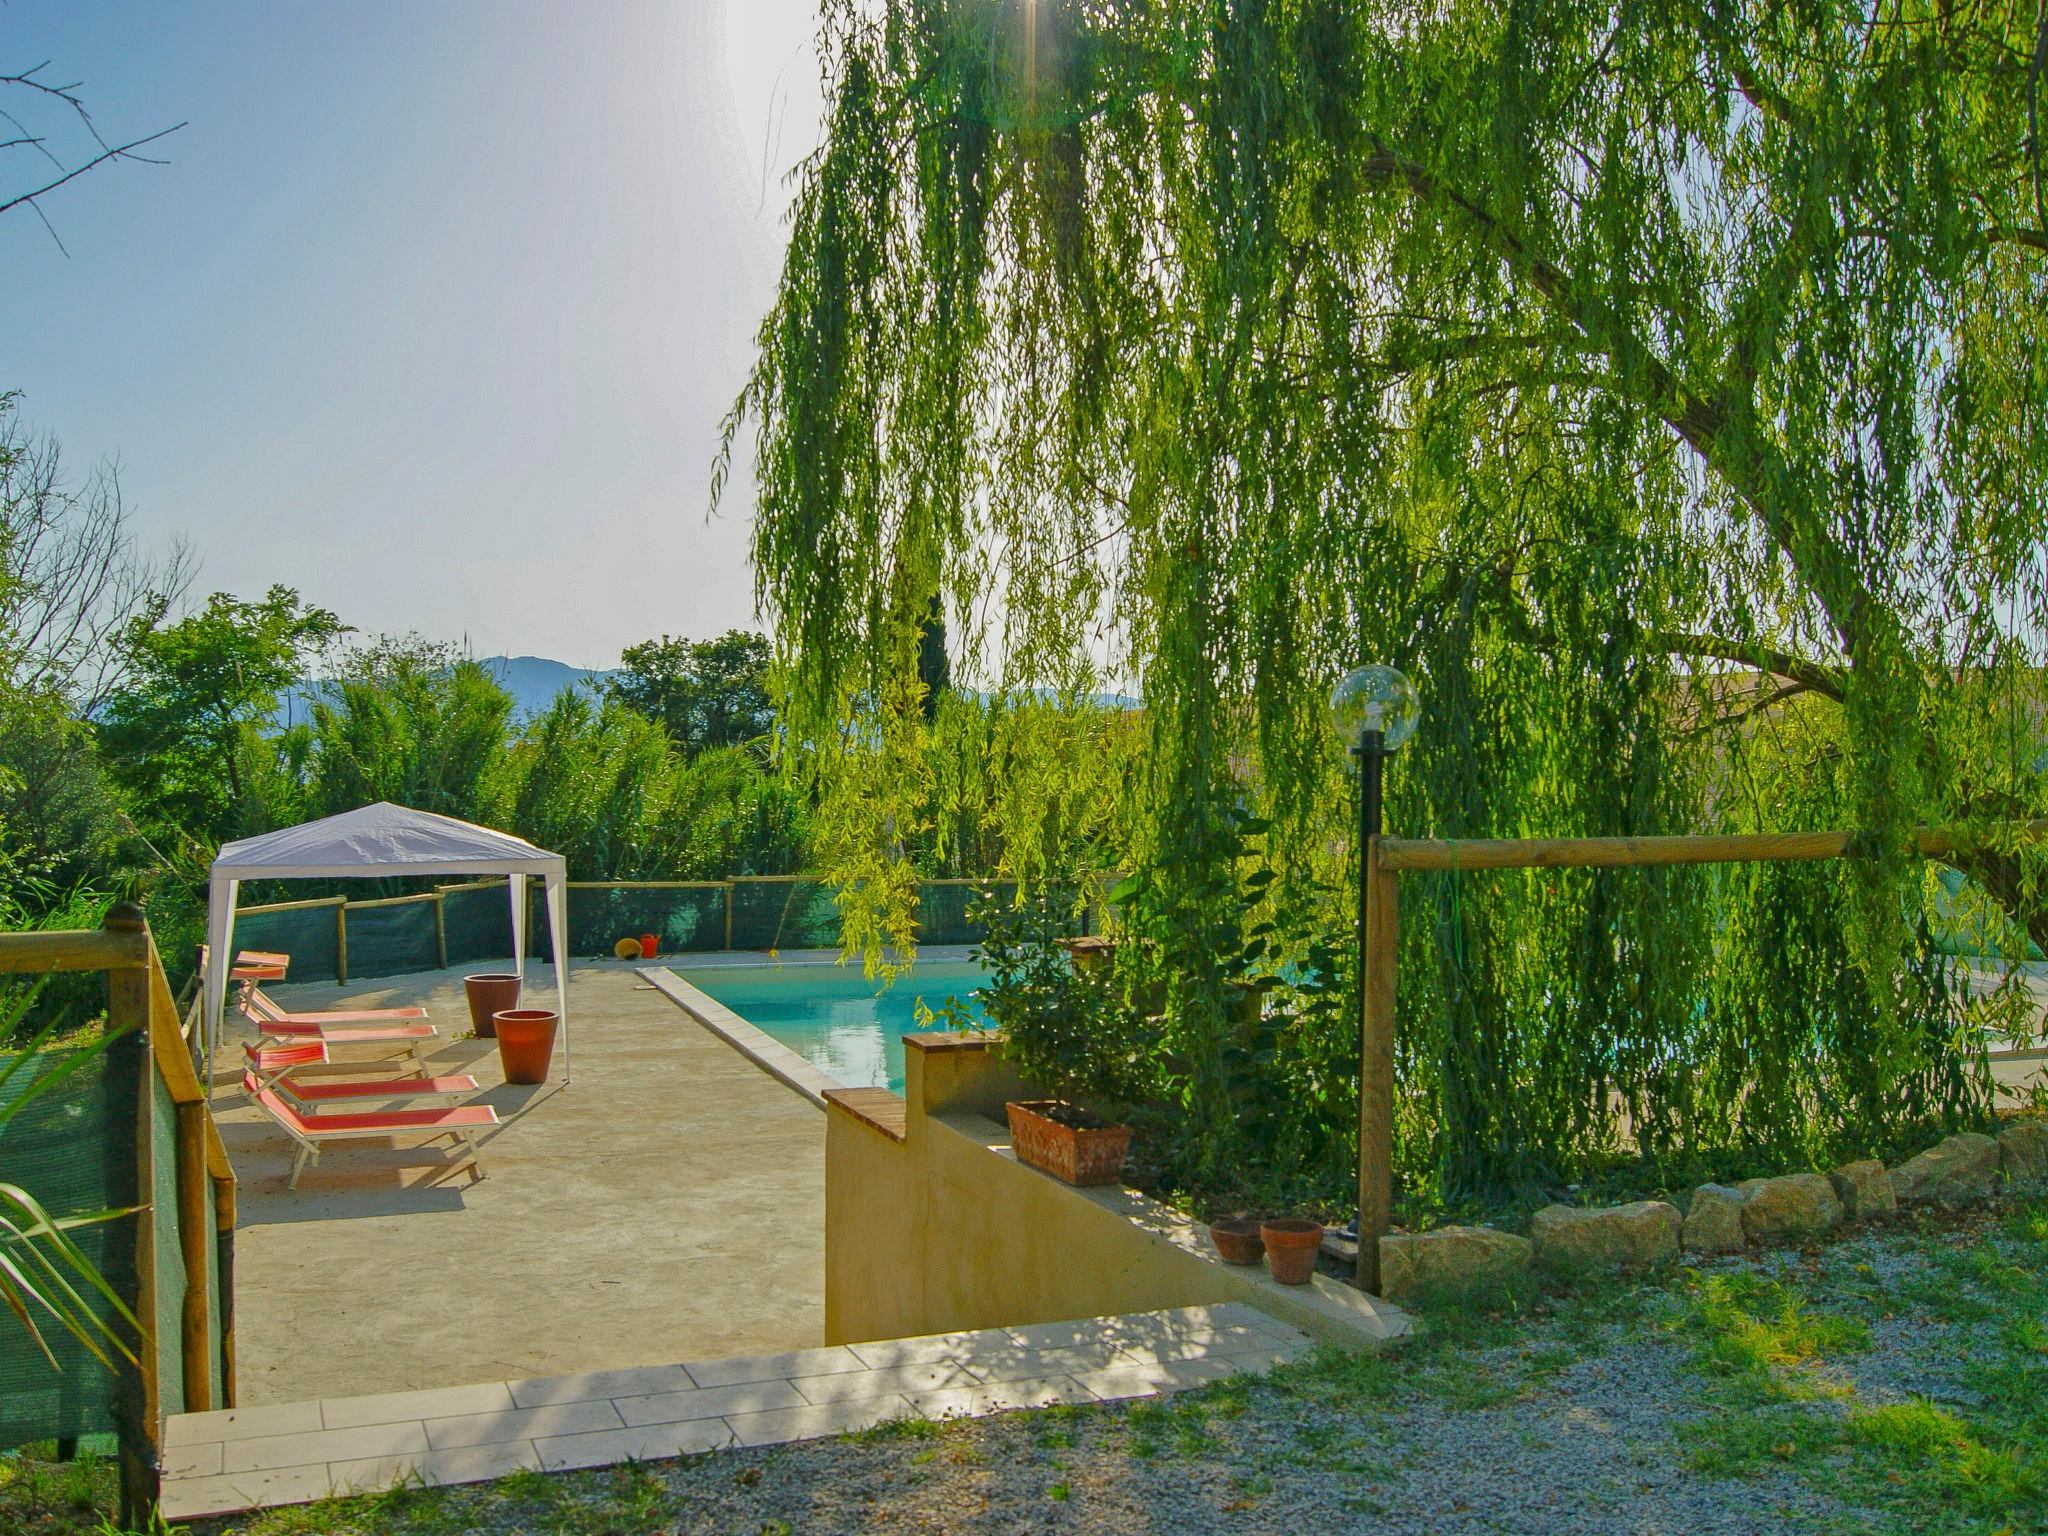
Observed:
{"x":1591,"y":1448}
{"x":1636,"y":1412}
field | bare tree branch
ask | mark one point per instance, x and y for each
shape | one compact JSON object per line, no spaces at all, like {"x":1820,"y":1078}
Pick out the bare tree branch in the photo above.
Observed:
{"x":29,"y":80}
{"x":120,"y":152}
{"x":71,"y":574}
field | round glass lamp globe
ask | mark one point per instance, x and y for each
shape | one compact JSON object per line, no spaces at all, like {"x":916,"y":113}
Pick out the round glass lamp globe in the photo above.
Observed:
{"x":1375,"y":698}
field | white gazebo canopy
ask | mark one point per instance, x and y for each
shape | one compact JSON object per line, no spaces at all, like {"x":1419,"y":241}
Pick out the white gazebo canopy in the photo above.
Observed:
{"x":374,"y":841}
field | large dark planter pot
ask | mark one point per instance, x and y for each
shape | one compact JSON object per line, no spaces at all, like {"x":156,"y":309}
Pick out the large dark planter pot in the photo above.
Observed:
{"x":489,"y":993}
{"x":526,"y":1043}
{"x":1067,"y":1141}
{"x":1291,"y":1249}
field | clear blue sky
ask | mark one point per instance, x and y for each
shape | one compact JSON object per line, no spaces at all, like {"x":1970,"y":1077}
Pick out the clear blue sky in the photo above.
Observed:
{"x":436,"y":309}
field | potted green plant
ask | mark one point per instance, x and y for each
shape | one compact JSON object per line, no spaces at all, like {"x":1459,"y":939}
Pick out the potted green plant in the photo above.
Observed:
{"x":1067,"y":1141}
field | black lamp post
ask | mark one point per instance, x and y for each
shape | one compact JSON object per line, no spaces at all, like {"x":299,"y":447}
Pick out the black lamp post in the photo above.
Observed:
{"x":1375,"y":711}
{"x":1371,"y":752}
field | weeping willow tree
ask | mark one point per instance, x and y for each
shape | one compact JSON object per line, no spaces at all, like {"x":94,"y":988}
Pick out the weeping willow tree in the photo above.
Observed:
{"x":1661,"y":383}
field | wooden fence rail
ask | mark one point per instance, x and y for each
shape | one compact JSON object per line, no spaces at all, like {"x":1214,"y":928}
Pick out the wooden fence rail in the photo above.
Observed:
{"x":1388,"y":858}
{"x":344,"y":905}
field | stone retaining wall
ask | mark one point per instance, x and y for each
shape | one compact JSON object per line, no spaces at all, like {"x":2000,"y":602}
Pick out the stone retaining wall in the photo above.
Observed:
{"x":1791,"y":1208}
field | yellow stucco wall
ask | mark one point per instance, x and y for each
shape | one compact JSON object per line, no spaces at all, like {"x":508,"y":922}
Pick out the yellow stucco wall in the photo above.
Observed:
{"x":944,"y":1230}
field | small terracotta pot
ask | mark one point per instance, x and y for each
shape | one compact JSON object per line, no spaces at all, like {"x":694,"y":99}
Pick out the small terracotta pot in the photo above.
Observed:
{"x":490,"y":993}
{"x":1291,"y":1249}
{"x":526,"y":1043}
{"x":650,"y":945}
{"x":1237,"y":1240}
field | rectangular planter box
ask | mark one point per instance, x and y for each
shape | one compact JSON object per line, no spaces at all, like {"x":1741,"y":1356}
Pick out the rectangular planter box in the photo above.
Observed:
{"x":1089,"y":1154}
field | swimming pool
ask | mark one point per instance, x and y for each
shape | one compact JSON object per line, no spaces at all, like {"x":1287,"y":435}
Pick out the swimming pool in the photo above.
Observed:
{"x":833,"y":1016}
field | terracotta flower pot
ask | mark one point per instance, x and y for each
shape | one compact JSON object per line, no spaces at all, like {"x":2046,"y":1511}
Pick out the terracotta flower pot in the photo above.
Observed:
{"x":1067,"y":1141}
{"x":490,"y":993}
{"x":1291,"y":1249}
{"x":526,"y":1043}
{"x":1237,"y":1240}
{"x":650,"y":945}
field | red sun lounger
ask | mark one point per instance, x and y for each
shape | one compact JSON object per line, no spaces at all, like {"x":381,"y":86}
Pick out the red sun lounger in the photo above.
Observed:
{"x":253,"y":964}
{"x":411,"y":1036}
{"x":462,"y":1122}
{"x":259,"y":965}
{"x":273,"y":1066}
{"x":260,"y":1006}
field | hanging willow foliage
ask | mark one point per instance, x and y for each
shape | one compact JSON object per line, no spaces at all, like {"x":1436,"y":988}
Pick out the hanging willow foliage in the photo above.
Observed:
{"x":1661,"y":383}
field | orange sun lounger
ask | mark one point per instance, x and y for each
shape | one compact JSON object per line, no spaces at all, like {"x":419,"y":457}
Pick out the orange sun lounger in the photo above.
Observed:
{"x":462,"y":1122}
{"x":273,"y":1066}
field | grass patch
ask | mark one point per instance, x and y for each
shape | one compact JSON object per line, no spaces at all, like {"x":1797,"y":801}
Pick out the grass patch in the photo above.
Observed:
{"x":1762,"y":1335}
{"x":43,"y":1497}
{"x":1937,"y":1460}
{"x":1975,"y":1302}
{"x":909,"y":1426}
{"x":1741,"y":1442}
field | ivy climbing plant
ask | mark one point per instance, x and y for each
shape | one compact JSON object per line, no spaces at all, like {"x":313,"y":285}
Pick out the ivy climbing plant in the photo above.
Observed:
{"x":1663,"y":384}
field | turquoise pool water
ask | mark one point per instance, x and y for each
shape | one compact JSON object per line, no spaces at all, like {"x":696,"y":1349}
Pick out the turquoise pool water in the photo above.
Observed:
{"x":834,"y":1017}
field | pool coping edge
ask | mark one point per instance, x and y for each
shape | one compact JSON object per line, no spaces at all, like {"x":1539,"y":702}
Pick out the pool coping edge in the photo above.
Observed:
{"x":762,"y":1049}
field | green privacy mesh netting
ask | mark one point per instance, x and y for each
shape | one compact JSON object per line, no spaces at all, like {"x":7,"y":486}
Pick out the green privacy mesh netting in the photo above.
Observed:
{"x":390,"y":940}
{"x":170,"y":1259}
{"x":682,"y":919}
{"x":309,"y":934}
{"x":74,"y":1149}
{"x":784,"y":914}
{"x":478,"y":922}
{"x":393,"y":938}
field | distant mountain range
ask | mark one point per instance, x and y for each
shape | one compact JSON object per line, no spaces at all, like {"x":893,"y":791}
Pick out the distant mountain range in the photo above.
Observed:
{"x":533,"y":681}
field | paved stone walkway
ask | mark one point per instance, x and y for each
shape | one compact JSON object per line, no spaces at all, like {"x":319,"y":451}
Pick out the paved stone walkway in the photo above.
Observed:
{"x":294,"y":1453}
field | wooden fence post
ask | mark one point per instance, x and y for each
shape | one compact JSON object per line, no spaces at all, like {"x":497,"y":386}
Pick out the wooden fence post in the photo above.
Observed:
{"x":195,"y":1234}
{"x":341,"y":941}
{"x":224,"y":1247}
{"x":1376,"y":1066}
{"x":128,"y":1010}
{"x":728,"y":914}
{"x":441,"y":929}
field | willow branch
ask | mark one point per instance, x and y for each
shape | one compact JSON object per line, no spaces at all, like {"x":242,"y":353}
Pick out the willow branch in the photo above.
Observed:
{"x":1810,"y":675}
{"x":1751,"y":468}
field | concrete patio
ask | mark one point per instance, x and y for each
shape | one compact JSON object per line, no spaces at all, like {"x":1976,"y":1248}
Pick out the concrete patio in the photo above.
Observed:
{"x":668,"y":1204}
